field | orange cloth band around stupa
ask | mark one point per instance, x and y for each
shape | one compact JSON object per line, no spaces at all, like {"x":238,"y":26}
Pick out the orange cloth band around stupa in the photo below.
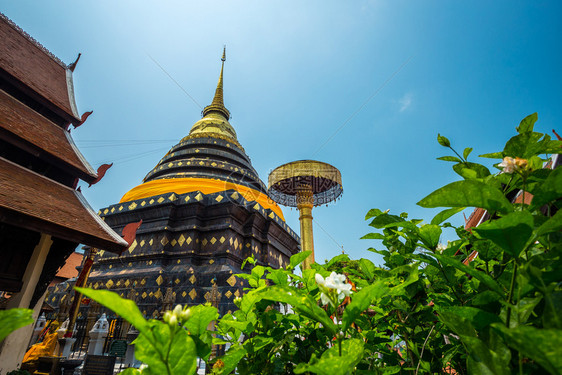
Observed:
{"x":204,"y":185}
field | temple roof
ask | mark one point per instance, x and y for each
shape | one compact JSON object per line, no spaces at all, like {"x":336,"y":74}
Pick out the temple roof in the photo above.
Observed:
{"x":35,"y":202}
{"x":27,"y":64}
{"x":68,"y":270}
{"x":32,"y":131}
{"x":210,"y":159}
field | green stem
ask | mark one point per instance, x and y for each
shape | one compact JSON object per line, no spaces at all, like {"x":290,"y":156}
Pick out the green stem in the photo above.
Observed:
{"x":423,"y":348}
{"x":460,"y":157}
{"x":510,"y":295}
{"x":523,"y":196}
{"x":339,"y":344}
{"x":173,"y":332}
{"x":449,"y":283}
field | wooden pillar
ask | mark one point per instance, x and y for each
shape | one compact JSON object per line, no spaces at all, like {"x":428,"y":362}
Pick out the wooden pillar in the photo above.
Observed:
{"x":14,"y":346}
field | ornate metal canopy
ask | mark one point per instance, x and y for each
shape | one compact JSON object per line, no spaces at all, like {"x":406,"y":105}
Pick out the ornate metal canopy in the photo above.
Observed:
{"x":324,"y":180}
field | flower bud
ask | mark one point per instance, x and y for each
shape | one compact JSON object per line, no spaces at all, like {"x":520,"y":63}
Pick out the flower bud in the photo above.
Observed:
{"x":177,"y":310}
{"x":167,"y":316}
{"x":173,"y":320}
{"x":186,"y":314}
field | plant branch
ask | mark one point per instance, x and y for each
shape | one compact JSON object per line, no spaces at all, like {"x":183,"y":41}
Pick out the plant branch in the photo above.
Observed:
{"x":423,"y":348}
{"x":510,"y":295}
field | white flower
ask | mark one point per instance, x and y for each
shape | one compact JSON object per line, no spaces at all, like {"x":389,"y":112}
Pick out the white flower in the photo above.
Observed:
{"x":510,"y":165}
{"x":440,"y":247}
{"x":333,"y":284}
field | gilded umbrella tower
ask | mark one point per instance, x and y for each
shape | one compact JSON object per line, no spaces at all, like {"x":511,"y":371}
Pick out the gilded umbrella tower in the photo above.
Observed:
{"x":305,"y":184}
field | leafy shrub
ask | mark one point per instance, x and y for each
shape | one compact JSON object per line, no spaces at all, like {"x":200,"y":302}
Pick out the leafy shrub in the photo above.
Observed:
{"x":489,"y":302}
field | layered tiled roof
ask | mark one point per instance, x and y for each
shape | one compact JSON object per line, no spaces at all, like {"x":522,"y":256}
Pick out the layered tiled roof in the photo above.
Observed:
{"x":35,"y":202}
{"x":46,"y":77}
{"x":45,"y":139}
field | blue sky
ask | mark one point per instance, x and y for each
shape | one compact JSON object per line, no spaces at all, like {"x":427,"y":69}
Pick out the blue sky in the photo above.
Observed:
{"x":394,"y":72}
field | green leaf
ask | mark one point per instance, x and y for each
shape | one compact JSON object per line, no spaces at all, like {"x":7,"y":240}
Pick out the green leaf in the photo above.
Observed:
{"x":481,"y":360}
{"x":250,"y":260}
{"x":548,"y":191}
{"x":457,"y":324}
{"x":372,"y":213}
{"x":182,"y":357}
{"x":361,"y":301}
{"x":125,"y":308}
{"x":445,"y":214}
{"x":278,"y":276}
{"x":511,"y":232}
{"x":541,"y":345}
{"x":523,"y":145}
{"x":368,"y":268}
{"x":302,"y":303}
{"x":553,"y":224}
{"x":257,"y":272}
{"x":373,"y":236}
{"x":13,"y":319}
{"x":493,"y":155}
{"x":471,"y":170}
{"x":385,"y":219}
{"x":249,"y":300}
{"x":130,"y":371}
{"x":201,"y":317}
{"x":466,"y":152}
{"x":429,"y":235}
{"x":483,"y":277}
{"x":231,"y":359}
{"x":298,"y":259}
{"x":450,"y":158}
{"x":468,"y":193}
{"x":527,"y":124}
{"x":159,"y":344}
{"x":477,"y":317}
{"x":331,"y":363}
{"x":226,"y":324}
{"x":336,"y":259}
{"x":443,"y":141}
{"x":258,"y":342}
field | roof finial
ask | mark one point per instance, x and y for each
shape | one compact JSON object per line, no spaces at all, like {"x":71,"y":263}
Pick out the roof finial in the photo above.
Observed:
{"x":217,"y":104}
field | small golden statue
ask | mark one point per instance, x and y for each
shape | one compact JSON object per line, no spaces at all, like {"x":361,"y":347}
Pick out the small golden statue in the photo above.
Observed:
{"x":47,"y":347}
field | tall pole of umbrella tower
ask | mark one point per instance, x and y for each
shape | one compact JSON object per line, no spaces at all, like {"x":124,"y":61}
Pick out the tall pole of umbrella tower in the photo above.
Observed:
{"x":305,"y":202}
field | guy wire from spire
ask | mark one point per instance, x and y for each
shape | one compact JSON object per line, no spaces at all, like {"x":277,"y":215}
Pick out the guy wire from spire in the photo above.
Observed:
{"x":364,"y":104}
{"x":176,"y":82}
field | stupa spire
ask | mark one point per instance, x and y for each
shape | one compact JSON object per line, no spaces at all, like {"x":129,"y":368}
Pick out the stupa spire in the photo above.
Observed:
{"x":217,"y":105}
